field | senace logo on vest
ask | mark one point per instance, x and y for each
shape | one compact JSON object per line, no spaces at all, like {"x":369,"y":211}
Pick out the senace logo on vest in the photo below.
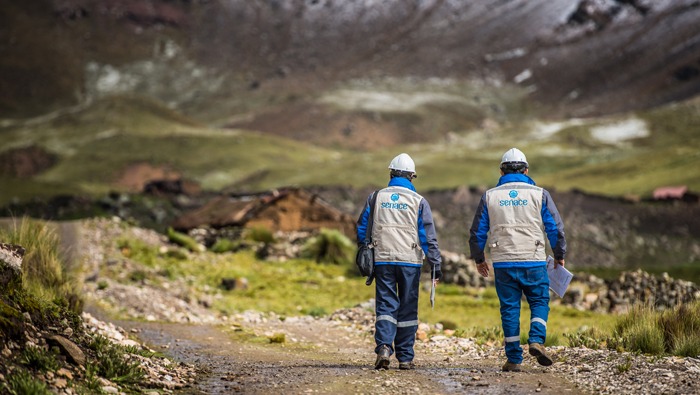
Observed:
{"x":393,"y":204}
{"x":513,"y":202}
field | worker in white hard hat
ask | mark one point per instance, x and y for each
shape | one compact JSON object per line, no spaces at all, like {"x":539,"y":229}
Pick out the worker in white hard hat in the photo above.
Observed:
{"x":515,"y":220}
{"x":402,"y":236}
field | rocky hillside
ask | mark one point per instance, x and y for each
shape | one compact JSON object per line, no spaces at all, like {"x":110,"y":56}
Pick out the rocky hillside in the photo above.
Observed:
{"x":217,"y":59}
{"x":601,"y":231}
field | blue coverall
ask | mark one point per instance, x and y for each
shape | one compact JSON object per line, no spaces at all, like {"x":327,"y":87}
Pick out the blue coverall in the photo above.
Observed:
{"x":519,"y":276}
{"x":397,"y":282}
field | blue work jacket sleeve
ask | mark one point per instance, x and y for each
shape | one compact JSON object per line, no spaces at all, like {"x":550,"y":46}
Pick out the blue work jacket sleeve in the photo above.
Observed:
{"x":479,"y":231}
{"x":428,"y":235}
{"x":553,"y":226}
{"x":363,"y":221}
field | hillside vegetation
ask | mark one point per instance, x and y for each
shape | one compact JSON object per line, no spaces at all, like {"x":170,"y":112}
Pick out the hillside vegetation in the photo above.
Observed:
{"x":94,"y":145}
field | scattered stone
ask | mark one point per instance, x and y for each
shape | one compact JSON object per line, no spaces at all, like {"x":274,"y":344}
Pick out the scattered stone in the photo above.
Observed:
{"x":60,"y":383}
{"x":65,"y":373}
{"x":72,"y":352}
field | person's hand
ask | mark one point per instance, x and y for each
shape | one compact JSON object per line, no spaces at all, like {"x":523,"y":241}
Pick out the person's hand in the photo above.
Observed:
{"x":437,"y":275}
{"x":483,"y":269}
{"x":561,"y":262}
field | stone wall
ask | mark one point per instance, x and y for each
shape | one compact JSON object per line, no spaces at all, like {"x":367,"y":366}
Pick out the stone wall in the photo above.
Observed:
{"x":588,"y":292}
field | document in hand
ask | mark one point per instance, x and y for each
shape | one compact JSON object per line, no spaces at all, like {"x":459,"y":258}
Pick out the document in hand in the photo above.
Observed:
{"x":559,"y":277}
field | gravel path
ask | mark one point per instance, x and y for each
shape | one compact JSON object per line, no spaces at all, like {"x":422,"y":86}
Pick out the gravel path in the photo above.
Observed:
{"x":329,"y":359}
{"x":334,"y":354}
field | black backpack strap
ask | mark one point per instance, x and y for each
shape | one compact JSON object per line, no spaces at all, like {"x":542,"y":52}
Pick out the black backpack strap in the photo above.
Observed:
{"x":370,"y":221}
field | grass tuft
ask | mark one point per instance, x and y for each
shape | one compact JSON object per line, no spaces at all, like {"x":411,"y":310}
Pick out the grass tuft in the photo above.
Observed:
{"x":675,"y":331}
{"x":42,"y":269}
{"x":277,"y":338}
{"x":486,"y":335}
{"x":591,"y":338}
{"x":183,"y":240}
{"x":114,"y":364}
{"x":225,"y":245}
{"x":39,"y":359}
{"x":22,"y":382}
{"x":259,"y":234}
{"x":329,"y":246}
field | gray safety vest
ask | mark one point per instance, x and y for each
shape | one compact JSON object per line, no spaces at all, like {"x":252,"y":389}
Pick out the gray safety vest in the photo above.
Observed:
{"x":516,"y":228}
{"x":395,"y":232}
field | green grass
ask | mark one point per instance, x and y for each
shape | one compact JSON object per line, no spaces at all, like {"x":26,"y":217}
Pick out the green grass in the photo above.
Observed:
{"x":329,"y":246}
{"x":97,"y":143}
{"x":39,"y":359}
{"x":21,"y":382}
{"x":674,"y":331}
{"x":259,"y":234}
{"x":183,"y":240}
{"x":44,"y":276}
{"x":111,"y":362}
{"x":302,"y":286}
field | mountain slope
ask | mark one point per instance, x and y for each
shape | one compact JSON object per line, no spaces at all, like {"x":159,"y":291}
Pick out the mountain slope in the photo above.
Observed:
{"x":204,"y":57}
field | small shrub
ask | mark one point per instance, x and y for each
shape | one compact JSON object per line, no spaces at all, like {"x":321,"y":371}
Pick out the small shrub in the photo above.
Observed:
{"x":183,"y":240}
{"x":138,"y":250}
{"x":102,"y":284}
{"x":330,"y":246}
{"x":176,"y":253}
{"x":113,"y":362}
{"x":625,"y":366}
{"x":146,"y":353}
{"x":587,"y":337}
{"x":552,"y":339}
{"x":686,"y":345}
{"x":277,"y":338}
{"x":681,"y":328}
{"x":39,"y":359}
{"x":317,"y":312}
{"x":42,"y":268}
{"x":645,"y":337}
{"x":91,"y":383}
{"x":138,"y":276}
{"x":21,"y":382}
{"x":639,"y":331}
{"x":259,"y":234}
{"x":225,"y":245}
{"x":488,"y":335}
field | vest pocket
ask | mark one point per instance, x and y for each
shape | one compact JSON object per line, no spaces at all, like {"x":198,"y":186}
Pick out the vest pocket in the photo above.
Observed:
{"x":517,"y":242}
{"x":398,"y":244}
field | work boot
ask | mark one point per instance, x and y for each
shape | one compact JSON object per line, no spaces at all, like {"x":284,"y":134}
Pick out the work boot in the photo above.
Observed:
{"x":538,"y":351}
{"x":511,"y":367}
{"x":407,"y":365}
{"x":383,"y":355}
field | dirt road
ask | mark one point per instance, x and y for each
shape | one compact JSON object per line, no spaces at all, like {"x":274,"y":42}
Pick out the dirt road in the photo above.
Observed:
{"x":319,"y":357}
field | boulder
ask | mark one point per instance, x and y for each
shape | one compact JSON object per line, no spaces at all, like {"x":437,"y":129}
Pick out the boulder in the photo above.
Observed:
{"x":10,"y":265}
{"x":72,"y":352}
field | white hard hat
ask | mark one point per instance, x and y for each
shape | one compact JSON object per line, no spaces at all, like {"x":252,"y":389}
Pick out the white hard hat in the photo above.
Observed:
{"x":403,"y":162}
{"x":514,"y":155}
